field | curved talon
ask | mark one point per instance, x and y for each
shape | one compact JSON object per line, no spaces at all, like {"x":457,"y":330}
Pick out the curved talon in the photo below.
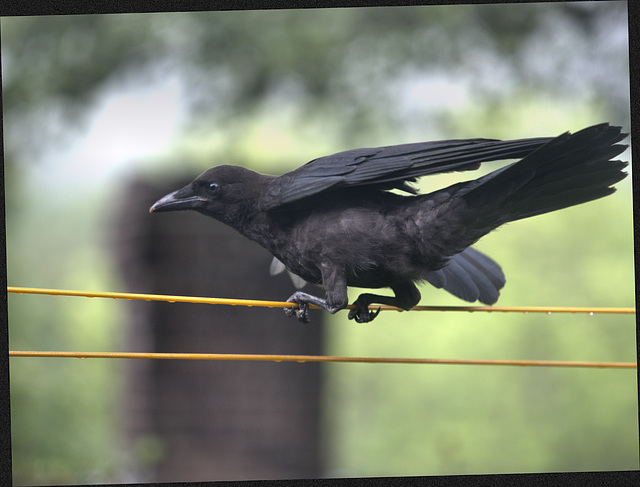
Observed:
{"x":301,"y":312}
{"x":362,"y":314}
{"x":353,"y":313}
{"x":373,"y":314}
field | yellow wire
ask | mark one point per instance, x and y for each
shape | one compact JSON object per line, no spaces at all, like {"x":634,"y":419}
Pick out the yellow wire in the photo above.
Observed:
{"x":283,"y":304}
{"x":320,"y":358}
{"x":313,"y":358}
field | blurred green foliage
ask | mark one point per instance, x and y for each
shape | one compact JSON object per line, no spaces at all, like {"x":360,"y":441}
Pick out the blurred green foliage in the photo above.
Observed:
{"x":273,"y":89}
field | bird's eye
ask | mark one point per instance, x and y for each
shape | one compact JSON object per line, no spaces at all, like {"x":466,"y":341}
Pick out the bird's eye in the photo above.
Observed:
{"x":213,"y":188}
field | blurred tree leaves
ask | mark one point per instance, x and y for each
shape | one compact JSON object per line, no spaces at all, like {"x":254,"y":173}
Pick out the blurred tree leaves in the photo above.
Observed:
{"x":344,"y":62}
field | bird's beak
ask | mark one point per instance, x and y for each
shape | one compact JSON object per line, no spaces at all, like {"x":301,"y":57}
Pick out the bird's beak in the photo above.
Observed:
{"x":183,"y":199}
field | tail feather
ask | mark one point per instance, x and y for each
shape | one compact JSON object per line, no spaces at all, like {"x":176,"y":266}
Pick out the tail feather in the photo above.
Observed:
{"x":470,"y":275}
{"x":570,"y":170}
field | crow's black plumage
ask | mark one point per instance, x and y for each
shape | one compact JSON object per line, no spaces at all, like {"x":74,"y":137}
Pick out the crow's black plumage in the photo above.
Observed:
{"x":335,"y":222}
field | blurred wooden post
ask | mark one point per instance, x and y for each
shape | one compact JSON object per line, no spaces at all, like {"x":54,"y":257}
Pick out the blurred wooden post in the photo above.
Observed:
{"x":209,"y":420}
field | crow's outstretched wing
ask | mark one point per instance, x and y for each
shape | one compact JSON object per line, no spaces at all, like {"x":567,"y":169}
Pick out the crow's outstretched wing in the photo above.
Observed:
{"x":391,"y":166}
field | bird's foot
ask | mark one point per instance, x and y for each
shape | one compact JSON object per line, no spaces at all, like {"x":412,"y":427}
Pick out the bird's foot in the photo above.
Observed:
{"x":301,"y":312}
{"x":361,"y":311}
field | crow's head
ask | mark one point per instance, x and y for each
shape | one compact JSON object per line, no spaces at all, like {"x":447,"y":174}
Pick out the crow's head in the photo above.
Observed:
{"x":226,"y":193}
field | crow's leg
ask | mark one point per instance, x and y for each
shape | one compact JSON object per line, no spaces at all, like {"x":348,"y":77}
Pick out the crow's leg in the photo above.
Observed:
{"x":406,"y":297}
{"x":335,"y":285}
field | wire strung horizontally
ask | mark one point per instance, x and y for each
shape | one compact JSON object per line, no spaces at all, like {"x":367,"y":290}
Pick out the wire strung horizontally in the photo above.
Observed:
{"x":322,"y":358}
{"x":313,"y":358}
{"x":283,"y":304}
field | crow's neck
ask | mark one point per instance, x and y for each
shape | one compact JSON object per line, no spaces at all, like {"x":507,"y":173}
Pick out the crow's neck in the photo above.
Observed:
{"x":248,"y":219}
{"x":254,"y":225}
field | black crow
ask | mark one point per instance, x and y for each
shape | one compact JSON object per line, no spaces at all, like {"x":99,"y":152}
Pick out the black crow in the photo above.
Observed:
{"x":353,"y":218}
